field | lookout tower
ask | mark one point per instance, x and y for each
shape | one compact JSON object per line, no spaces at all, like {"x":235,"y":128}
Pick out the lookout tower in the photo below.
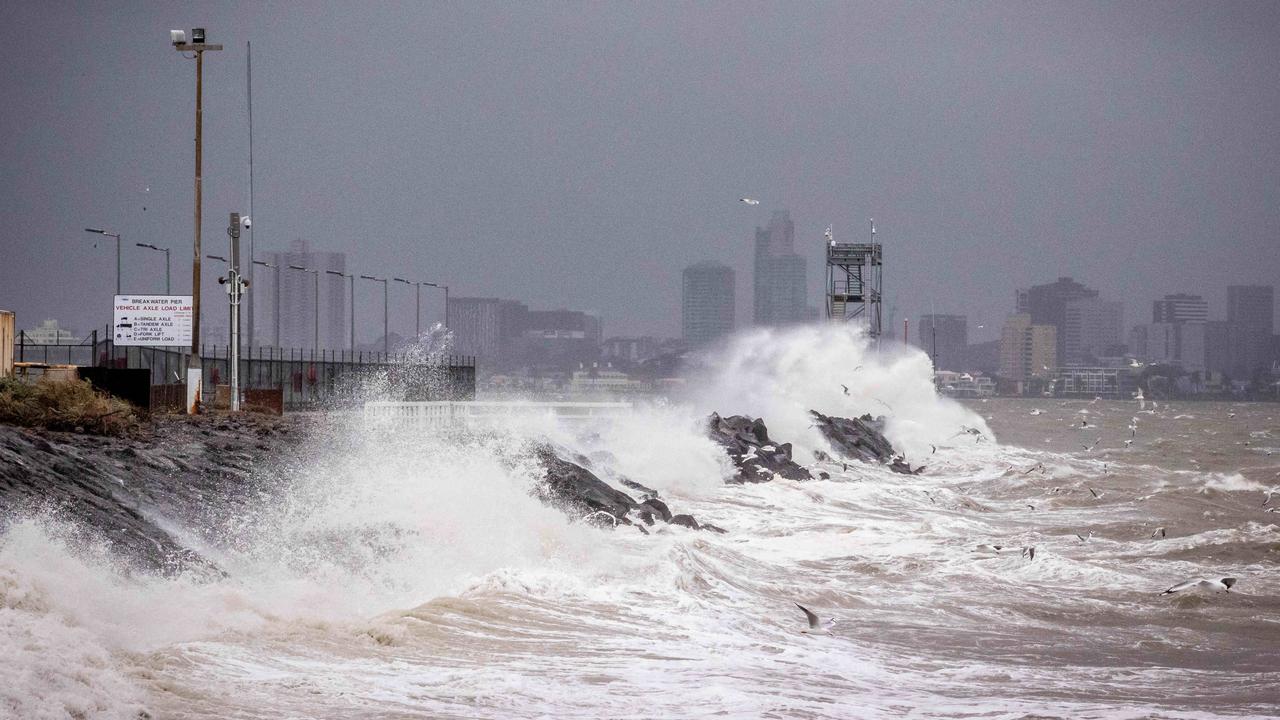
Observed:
{"x":854,"y":282}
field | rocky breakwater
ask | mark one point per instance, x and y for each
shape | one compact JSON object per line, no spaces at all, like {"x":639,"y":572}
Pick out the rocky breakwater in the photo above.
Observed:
{"x":761,"y":459}
{"x":758,"y":458}
{"x":125,"y":491}
{"x":861,"y":439}
{"x":577,"y":491}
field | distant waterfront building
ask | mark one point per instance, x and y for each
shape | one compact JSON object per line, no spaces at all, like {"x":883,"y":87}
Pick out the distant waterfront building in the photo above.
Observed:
{"x":487,"y":328}
{"x":1047,"y":305}
{"x":50,"y":332}
{"x":1091,"y":328}
{"x":1027,"y":350}
{"x":781,"y":285}
{"x":297,"y":297}
{"x":707,"y":302}
{"x":1180,"y":308}
{"x":629,"y":349}
{"x":945,"y":338}
{"x":1251,"y":323}
{"x":560,"y":338}
{"x":1181,"y":344}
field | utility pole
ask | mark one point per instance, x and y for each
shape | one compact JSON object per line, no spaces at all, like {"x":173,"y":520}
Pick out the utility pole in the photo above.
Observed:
{"x":248,"y":72}
{"x":386,"y":340}
{"x":352,"y":277}
{"x":235,"y":287}
{"x":199,"y":47}
{"x":166,"y":264}
{"x":315,"y":347}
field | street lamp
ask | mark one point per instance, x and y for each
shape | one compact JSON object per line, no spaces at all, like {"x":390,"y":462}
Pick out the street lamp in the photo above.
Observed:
{"x":198,"y":46}
{"x":446,"y":301}
{"x":316,"y":342}
{"x":166,"y":263}
{"x":417,"y":306}
{"x":353,"y":303}
{"x":275,"y":267}
{"x":100,"y":231}
{"x":386,"y":341}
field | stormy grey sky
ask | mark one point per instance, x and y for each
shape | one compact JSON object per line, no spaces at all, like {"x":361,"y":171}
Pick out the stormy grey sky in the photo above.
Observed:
{"x":580,"y":155}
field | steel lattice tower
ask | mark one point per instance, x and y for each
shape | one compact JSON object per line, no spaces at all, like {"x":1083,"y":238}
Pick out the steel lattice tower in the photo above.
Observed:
{"x":854,"y":276}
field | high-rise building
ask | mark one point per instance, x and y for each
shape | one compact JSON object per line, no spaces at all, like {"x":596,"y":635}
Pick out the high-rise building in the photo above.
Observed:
{"x":1251,"y":323}
{"x":1026,"y":349}
{"x":781,"y":285}
{"x":707,"y":302}
{"x":1181,"y":344}
{"x":487,"y":328}
{"x":296,"y":294}
{"x":1047,"y":305}
{"x":946,"y":339}
{"x":560,"y":338}
{"x":1180,"y":308}
{"x":1090,"y":329}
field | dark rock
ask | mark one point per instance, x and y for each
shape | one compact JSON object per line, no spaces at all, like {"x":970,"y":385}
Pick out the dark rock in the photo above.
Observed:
{"x":714,"y":528}
{"x":572,"y":487}
{"x":645,"y":492}
{"x":646,"y":516}
{"x":685,"y":521}
{"x":658,"y":507}
{"x":642,"y":529}
{"x":861,"y":439}
{"x":747,"y":442}
{"x":824,"y":475}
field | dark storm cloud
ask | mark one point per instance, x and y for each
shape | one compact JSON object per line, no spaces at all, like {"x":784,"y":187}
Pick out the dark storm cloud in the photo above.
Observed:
{"x":581,"y":155}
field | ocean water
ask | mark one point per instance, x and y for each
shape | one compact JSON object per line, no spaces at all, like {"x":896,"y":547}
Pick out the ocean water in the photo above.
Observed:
{"x":401,"y":574}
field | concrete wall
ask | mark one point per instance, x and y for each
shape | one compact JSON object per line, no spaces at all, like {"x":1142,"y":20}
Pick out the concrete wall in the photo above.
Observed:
{"x":7,"y":337}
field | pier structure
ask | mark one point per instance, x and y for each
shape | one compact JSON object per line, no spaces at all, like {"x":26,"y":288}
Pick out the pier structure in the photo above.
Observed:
{"x":854,"y":282}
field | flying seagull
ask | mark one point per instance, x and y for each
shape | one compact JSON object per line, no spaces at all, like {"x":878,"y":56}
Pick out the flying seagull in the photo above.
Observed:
{"x":1089,"y":448}
{"x":1096,"y":495}
{"x":845,"y":387}
{"x":816,"y":626}
{"x":1085,"y":538}
{"x":1223,"y":585}
{"x":749,"y":201}
{"x":1159,"y":531}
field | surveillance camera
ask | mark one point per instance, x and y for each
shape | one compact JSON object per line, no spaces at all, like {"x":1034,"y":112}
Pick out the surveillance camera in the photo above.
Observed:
{"x":177,"y":37}
{"x":247,"y":222}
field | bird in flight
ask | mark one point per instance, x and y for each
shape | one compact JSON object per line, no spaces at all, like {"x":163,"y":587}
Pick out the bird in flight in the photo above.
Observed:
{"x":749,"y":201}
{"x":816,"y":626}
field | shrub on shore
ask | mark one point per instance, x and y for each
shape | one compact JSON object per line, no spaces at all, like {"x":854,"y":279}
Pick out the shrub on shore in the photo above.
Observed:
{"x":71,"y":406}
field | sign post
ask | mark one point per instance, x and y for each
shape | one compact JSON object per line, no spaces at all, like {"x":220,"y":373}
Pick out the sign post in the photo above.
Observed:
{"x":152,"y":320}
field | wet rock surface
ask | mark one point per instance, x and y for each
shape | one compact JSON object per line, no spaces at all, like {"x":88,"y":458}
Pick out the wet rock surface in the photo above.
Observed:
{"x":861,"y":439}
{"x":575,"y":489}
{"x":758,"y":458}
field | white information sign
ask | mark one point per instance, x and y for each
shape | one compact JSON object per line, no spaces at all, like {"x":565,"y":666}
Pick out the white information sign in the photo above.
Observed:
{"x":153,"y":320}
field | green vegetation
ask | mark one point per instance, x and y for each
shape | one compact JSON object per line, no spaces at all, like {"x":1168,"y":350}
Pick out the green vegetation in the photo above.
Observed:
{"x":72,"y":406}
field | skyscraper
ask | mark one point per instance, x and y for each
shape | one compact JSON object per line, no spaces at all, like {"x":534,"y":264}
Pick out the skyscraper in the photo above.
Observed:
{"x":781,"y":285}
{"x":1093,"y":328}
{"x":707,"y":302}
{"x":1180,"y":308}
{"x":296,"y":295}
{"x":1047,"y":305}
{"x":487,"y":328}
{"x":946,"y":339}
{"x":1250,"y":322}
{"x":1026,"y":350}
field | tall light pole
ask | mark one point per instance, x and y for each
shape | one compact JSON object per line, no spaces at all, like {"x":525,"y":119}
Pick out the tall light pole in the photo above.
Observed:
{"x":316,"y":341}
{"x":275,"y":304}
{"x":386,"y":341}
{"x":199,"y":47}
{"x":446,"y":301}
{"x":417,"y":306}
{"x":166,"y":264}
{"x":100,"y":231}
{"x":352,"y":277}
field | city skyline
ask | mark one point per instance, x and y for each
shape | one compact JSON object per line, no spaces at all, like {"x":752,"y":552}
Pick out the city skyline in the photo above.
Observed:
{"x":988,"y":157}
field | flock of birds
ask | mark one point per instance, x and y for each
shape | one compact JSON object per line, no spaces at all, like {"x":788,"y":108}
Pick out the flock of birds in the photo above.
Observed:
{"x":1199,"y":584}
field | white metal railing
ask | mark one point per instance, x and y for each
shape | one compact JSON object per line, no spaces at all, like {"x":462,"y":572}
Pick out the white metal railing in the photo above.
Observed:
{"x":446,"y":412}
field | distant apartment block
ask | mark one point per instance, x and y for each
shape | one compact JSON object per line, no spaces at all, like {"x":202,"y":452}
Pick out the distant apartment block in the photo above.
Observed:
{"x":1180,"y":308}
{"x":50,"y":332}
{"x":707,"y":303}
{"x":1180,"y":344}
{"x":945,"y":338}
{"x":1090,"y":329}
{"x":1027,"y":350}
{"x":487,"y":328}
{"x":1251,"y":323}
{"x":296,"y":294}
{"x":781,"y":284}
{"x":1047,"y":305}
